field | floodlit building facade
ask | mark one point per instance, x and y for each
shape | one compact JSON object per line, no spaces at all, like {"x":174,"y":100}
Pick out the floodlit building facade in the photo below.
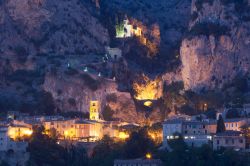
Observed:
{"x":88,"y":131}
{"x":7,"y":143}
{"x":235,"y":124}
{"x":64,"y":128}
{"x":94,"y":110}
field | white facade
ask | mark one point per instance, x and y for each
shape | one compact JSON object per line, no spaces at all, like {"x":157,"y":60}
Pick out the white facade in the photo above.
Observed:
{"x":194,"y":133}
{"x":169,"y":129}
{"x":127,"y":29}
{"x":114,"y":53}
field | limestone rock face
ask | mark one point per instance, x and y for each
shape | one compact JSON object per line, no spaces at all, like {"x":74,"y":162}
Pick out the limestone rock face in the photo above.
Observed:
{"x":209,"y":59}
{"x":45,"y":27}
{"x":124,"y":109}
{"x":64,"y":89}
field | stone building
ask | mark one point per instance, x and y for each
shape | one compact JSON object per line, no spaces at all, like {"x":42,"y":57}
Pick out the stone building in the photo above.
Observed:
{"x":17,"y":149}
{"x":235,"y":124}
{"x":94,"y":110}
{"x":229,"y":139}
{"x":194,"y":133}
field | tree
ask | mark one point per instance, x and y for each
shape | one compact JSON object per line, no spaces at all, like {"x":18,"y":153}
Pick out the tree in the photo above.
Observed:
{"x":220,"y":125}
{"x":138,"y":144}
{"x":105,"y":152}
{"x":45,"y":151}
{"x":46,"y":103}
{"x":232,"y":113}
{"x":107,"y":113}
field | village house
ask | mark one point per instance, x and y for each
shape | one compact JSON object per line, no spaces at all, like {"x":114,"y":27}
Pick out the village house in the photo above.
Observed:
{"x":114,"y":53}
{"x":126,"y":30}
{"x":64,"y":128}
{"x":82,"y":130}
{"x":88,"y":131}
{"x":229,"y":139}
{"x":17,"y":149}
{"x":194,"y":133}
{"x":235,"y":124}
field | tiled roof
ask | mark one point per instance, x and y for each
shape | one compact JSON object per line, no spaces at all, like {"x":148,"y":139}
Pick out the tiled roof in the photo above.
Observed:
{"x":229,"y":133}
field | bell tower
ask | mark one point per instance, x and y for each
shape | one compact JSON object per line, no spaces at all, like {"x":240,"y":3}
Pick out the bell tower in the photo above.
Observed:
{"x":94,"y":110}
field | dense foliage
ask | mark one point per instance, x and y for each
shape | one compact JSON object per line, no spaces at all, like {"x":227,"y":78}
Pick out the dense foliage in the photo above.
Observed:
{"x":45,"y":151}
{"x":220,"y":125}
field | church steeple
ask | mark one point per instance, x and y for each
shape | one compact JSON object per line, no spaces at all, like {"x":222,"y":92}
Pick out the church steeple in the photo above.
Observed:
{"x":94,"y":110}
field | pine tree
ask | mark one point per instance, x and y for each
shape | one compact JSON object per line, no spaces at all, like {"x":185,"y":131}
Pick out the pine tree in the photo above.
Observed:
{"x":220,"y":125}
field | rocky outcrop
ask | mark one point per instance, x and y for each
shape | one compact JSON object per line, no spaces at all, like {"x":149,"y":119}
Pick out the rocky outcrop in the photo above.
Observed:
{"x":217,"y":48}
{"x":42,"y":27}
{"x":124,"y":108}
{"x":163,"y":25}
{"x":73,"y":93}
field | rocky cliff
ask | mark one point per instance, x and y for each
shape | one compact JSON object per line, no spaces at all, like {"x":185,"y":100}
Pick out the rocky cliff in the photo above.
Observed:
{"x":42,"y":27}
{"x":216,"y":49}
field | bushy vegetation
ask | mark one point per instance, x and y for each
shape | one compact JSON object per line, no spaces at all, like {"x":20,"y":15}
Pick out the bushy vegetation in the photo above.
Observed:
{"x":72,"y":101}
{"x":189,"y":102}
{"x":75,"y":114}
{"x":71,"y":71}
{"x":205,"y":156}
{"x":90,"y":82}
{"x":107,"y":150}
{"x":26,"y":76}
{"x":240,"y":6}
{"x":107,"y":113}
{"x":199,"y":3}
{"x":234,"y":92}
{"x":111,"y":98}
{"x":209,"y":28}
{"x":45,"y":103}
{"x":44,"y":150}
{"x":22,"y":53}
{"x":232,"y":113}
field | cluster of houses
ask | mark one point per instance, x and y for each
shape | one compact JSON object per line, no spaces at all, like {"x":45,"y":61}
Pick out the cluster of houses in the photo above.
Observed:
{"x":17,"y":127}
{"x":196,"y":133}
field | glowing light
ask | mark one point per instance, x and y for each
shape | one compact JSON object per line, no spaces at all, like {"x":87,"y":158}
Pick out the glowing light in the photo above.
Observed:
{"x":148,"y":155}
{"x":120,"y":30}
{"x":148,"y":103}
{"x":27,"y":132}
{"x":147,"y":89}
{"x":19,"y":132}
{"x":137,"y":32}
{"x":123,"y":135}
{"x":66,"y":133}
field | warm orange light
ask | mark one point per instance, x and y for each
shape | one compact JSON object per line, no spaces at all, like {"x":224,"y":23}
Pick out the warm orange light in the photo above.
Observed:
{"x":148,"y":156}
{"x":148,"y":103}
{"x":66,"y":133}
{"x":147,"y":90}
{"x":27,"y":132}
{"x":123,"y":135}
